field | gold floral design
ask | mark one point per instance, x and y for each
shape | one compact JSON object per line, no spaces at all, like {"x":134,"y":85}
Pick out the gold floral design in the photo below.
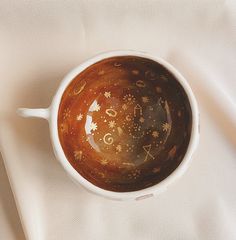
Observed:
{"x":79,"y":117}
{"x":129,"y":98}
{"x":66,"y":113}
{"x":112,"y":124}
{"x":107,"y":94}
{"x":165,"y":127}
{"x":155,"y":134}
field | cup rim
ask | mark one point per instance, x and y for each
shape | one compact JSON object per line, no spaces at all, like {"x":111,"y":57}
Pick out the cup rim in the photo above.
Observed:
{"x":138,"y":194}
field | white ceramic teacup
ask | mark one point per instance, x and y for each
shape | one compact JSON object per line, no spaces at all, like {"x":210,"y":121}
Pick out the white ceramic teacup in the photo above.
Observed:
{"x":51,"y":115}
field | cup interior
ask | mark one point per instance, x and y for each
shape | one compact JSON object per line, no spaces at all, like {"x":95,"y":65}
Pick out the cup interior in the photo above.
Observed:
{"x":124,"y":123}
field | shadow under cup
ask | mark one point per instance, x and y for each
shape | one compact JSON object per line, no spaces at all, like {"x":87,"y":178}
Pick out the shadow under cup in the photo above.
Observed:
{"x":124,"y":123}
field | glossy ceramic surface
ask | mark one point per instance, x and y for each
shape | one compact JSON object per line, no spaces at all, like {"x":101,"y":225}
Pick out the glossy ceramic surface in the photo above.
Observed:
{"x":124,"y":123}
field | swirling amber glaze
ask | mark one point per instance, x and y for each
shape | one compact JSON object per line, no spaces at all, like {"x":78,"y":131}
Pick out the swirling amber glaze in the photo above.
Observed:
{"x":124,"y":123}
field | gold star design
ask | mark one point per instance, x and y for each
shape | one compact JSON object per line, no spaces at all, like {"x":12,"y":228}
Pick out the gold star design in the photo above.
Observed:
{"x":107,"y":94}
{"x":145,"y":99}
{"x":155,"y":134}
{"x":79,"y":117}
{"x":93,"y":126}
{"x":141,"y":120}
{"x":112,"y":124}
{"x":165,"y":127}
{"x":119,"y":148}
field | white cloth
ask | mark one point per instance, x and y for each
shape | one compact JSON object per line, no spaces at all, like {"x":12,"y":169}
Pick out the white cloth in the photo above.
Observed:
{"x":40,"y":41}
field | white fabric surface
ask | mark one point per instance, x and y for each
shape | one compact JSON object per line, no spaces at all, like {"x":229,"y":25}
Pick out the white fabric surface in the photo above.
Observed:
{"x":40,"y":41}
{"x":10,"y":225}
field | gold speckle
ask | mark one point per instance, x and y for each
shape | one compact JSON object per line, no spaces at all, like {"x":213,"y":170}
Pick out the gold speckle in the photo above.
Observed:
{"x":179,"y":113}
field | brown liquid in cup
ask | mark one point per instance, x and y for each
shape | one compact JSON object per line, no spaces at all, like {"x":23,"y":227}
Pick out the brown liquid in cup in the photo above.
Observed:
{"x":124,"y":123}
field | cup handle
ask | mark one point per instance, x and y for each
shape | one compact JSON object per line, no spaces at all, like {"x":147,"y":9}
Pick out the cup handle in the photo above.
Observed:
{"x":37,"y":112}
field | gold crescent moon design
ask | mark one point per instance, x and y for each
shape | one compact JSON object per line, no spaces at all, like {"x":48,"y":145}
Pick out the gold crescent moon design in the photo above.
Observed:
{"x":108,"y":139}
{"x":128,"y":118}
{"x":78,"y":91}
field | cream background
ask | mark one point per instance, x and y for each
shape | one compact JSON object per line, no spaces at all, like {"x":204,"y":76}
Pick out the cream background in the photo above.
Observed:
{"x":40,"y":41}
